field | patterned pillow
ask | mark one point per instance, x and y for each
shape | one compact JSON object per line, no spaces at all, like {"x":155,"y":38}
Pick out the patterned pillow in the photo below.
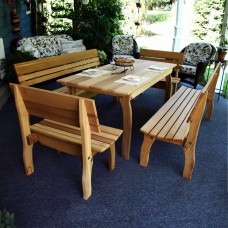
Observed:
{"x":71,"y":46}
{"x":196,"y":52}
{"x":27,"y":46}
{"x":122,"y":45}
{"x":47,"y":51}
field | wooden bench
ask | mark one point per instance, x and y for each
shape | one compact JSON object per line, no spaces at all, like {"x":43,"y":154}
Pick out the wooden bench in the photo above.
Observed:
{"x":40,"y":70}
{"x":70,"y":124}
{"x":178,"y":121}
{"x":168,"y":57}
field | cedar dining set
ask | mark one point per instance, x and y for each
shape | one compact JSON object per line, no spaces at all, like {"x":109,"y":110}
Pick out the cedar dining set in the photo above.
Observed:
{"x":70,"y":122}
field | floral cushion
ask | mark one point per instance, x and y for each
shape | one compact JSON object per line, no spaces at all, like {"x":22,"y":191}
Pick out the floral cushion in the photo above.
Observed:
{"x":47,"y":51}
{"x":187,"y":69}
{"x":71,"y":46}
{"x":196,"y":52}
{"x":193,"y":54}
{"x":122,"y":45}
{"x":45,"y":45}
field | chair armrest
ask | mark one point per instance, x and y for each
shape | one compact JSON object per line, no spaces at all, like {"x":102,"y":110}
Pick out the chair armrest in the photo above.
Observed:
{"x":136,"y":52}
{"x":200,"y":69}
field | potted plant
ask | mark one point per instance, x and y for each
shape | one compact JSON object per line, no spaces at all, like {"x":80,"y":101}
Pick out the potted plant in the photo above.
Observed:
{"x":222,"y":49}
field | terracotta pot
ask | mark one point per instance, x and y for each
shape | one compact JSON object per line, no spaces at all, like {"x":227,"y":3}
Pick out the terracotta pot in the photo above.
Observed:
{"x":15,"y":20}
{"x":16,"y":30}
{"x":221,"y":55}
{"x":13,"y":12}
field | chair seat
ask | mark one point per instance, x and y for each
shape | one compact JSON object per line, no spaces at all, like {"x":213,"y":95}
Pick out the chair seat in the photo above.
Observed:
{"x":187,"y":69}
{"x":70,"y":134}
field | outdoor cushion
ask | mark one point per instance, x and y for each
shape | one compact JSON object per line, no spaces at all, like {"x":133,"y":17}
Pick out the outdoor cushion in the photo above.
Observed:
{"x":42,"y":46}
{"x":193,"y":54}
{"x":196,"y":52}
{"x":71,"y":46}
{"x":123,"y":45}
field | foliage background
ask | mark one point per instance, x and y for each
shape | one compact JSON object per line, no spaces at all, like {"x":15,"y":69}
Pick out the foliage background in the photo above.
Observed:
{"x":95,"y":23}
{"x":208,"y":19}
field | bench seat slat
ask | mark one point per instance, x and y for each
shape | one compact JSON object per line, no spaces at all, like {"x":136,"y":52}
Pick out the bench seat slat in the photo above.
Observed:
{"x":177,"y":118}
{"x":151,"y":123}
{"x":175,"y":109}
{"x":68,"y":137}
{"x":107,"y":134}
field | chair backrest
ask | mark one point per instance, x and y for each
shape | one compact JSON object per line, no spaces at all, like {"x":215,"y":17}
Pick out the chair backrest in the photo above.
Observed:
{"x":40,"y":70}
{"x":53,"y":106}
{"x":196,"y":52}
{"x":162,"y":56}
{"x":122,"y":45}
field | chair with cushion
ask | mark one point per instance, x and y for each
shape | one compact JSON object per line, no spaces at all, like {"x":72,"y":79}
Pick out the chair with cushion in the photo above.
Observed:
{"x":123,"y":46}
{"x":196,"y":58}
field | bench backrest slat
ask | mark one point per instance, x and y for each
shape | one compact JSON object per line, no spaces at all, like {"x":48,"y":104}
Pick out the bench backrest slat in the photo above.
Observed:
{"x":54,"y":106}
{"x":162,"y":56}
{"x":210,"y":86}
{"x":36,"y":71}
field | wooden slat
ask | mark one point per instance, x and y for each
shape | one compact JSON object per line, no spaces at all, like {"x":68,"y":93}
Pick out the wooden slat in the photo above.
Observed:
{"x":162,"y":56}
{"x":40,"y":70}
{"x":152,"y":122}
{"x":181,"y":106}
{"x":59,"y":107}
{"x":67,"y":137}
{"x":174,"y":133}
{"x":55,"y":61}
{"x":176,"y":108}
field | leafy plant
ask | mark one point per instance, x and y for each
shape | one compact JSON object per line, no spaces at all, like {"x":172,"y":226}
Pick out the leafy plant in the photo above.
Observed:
{"x":6,"y":219}
{"x":95,"y":23}
{"x":208,"y":19}
{"x":223,"y":44}
{"x":102,"y":56}
{"x":15,"y":57}
{"x":159,"y":17}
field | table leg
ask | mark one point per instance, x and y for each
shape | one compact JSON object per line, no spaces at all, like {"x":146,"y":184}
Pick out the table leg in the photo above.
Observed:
{"x":127,"y":126}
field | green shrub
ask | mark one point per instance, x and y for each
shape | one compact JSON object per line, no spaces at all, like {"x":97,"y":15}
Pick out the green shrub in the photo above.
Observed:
{"x":159,"y":17}
{"x":6,"y":219}
{"x":152,"y":4}
{"x":208,"y":19}
{"x":16,"y":57}
{"x":149,"y":33}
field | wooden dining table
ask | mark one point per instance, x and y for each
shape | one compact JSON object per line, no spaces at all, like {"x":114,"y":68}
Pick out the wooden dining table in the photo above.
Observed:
{"x":106,"y":84}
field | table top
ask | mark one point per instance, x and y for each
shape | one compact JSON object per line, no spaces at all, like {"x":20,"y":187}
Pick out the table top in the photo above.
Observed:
{"x":106,"y":84}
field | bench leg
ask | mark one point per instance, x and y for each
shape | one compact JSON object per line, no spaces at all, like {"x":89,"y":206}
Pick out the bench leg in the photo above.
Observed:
{"x":145,"y":149}
{"x":189,"y":154}
{"x":28,"y":159}
{"x":210,"y":106}
{"x":168,"y":91}
{"x":112,"y":157}
{"x":87,"y":176}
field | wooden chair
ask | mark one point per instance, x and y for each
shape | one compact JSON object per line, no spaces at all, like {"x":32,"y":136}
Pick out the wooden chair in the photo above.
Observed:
{"x":70,"y":125}
{"x":168,"y":57}
{"x":178,"y":121}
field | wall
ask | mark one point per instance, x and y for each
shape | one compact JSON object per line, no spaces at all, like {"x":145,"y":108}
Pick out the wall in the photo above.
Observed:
{"x":6,"y":27}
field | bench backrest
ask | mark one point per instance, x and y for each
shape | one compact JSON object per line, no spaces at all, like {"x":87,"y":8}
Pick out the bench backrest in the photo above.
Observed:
{"x":207,"y":94}
{"x":53,"y":106}
{"x":198,"y":110}
{"x":162,"y":56}
{"x":36,"y":71}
